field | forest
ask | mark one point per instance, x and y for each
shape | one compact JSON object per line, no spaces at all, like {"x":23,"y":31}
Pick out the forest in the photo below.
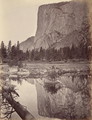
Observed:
{"x":13,"y":54}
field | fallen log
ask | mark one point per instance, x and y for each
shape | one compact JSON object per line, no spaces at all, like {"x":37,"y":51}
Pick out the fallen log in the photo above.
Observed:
{"x":21,"y":111}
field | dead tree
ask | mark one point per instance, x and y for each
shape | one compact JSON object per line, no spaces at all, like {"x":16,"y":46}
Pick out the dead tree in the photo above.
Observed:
{"x":21,"y":111}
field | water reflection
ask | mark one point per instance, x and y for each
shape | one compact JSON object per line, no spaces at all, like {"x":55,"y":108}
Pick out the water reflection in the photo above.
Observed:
{"x":16,"y":78}
{"x":28,"y":96}
{"x":69,"y":97}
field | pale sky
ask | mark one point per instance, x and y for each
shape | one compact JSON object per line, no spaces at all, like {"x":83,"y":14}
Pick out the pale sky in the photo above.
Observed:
{"x":18,"y":18}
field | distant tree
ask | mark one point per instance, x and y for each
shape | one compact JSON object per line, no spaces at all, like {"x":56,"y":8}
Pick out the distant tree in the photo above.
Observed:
{"x":32,"y":55}
{"x":36,"y":55}
{"x":47,"y":54}
{"x":60,"y":54}
{"x":27,"y":54}
{"x":9,"y":49}
{"x":66,"y":53}
{"x":54,"y":54}
{"x":21,"y":56}
{"x":3,"y":51}
{"x":83,"y":50}
{"x":18,"y":51}
{"x":13,"y":52}
{"x":9,"y":46}
{"x":73,"y":52}
{"x":18,"y":46}
{"x":2,"y":45}
{"x":42,"y":53}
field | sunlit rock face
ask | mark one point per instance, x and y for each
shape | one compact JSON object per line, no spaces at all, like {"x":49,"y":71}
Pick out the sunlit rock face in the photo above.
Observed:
{"x":70,"y":101}
{"x":59,"y":24}
{"x":27,"y":44}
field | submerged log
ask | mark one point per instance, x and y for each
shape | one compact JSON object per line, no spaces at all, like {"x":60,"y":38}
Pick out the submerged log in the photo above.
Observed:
{"x":21,"y":111}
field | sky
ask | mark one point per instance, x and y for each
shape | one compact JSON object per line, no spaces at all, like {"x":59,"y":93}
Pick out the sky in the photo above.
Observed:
{"x":18,"y":19}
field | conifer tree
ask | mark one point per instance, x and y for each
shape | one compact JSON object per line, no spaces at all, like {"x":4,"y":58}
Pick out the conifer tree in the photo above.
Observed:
{"x":3,"y":51}
{"x":9,"y":49}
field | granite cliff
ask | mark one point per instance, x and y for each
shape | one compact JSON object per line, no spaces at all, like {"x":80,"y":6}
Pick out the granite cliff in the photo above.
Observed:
{"x":60,"y":24}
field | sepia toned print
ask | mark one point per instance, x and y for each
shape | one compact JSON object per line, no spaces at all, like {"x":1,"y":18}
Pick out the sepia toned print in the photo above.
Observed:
{"x":48,"y":75}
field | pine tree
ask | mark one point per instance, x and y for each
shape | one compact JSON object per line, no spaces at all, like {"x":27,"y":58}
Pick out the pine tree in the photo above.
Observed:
{"x":18,"y":46}
{"x":32,"y":54}
{"x":9,"y":46}
{"x":13,"y":52}
{"x":27,"y":54}
{"x":42,"y":53}
{"x":3,"y":51}
{"x":17,"y":50}
{"x":9,"y":49}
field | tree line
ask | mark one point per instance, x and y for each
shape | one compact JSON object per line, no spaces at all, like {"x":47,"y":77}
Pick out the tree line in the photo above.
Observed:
{"x":12,"y":53}
{"x":51,"y":54}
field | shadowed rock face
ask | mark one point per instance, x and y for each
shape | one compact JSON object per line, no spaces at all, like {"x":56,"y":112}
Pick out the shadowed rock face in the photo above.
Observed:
{"x":60,"y":24}
{"x":27,"y":44}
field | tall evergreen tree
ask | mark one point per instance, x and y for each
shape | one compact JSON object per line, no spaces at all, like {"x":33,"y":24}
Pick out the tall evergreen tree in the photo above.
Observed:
{"x":41,"y":53}
{"x":32,"y":55}
{"x":18,"y":50}
{"x":3,"y":51}
{"x":9,"y":46}
{"x":2,"y":45}
{"x":27,"y":54}
{"x":13,"y":52}
{"x":18,"y":46}
{"x":9,"y":49}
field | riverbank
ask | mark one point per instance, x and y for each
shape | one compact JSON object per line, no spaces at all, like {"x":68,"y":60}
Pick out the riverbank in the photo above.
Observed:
{"x":37,"y":70}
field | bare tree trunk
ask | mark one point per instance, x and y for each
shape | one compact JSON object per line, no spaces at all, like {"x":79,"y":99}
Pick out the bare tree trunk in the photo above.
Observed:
{"x":21,"y":111}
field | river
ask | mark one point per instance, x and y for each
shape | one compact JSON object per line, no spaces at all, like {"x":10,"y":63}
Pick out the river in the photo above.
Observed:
{"x":67,"y":96}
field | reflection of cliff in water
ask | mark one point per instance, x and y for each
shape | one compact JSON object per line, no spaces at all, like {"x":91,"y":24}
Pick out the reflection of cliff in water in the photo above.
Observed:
{"x":71,"y":99}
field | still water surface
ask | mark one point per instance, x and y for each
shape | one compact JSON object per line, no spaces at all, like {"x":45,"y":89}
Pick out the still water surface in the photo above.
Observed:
{"x":27,"y":97}
{"x":67,"y":99}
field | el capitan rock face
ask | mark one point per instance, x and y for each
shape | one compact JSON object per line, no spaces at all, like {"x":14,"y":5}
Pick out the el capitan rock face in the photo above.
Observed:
{"x":59,"y":24}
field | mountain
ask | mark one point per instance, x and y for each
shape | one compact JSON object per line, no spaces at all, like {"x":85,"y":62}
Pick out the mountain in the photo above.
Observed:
{"x":27,"y":44}
{"x":60,"y":24}
{"x":72,"y":38}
